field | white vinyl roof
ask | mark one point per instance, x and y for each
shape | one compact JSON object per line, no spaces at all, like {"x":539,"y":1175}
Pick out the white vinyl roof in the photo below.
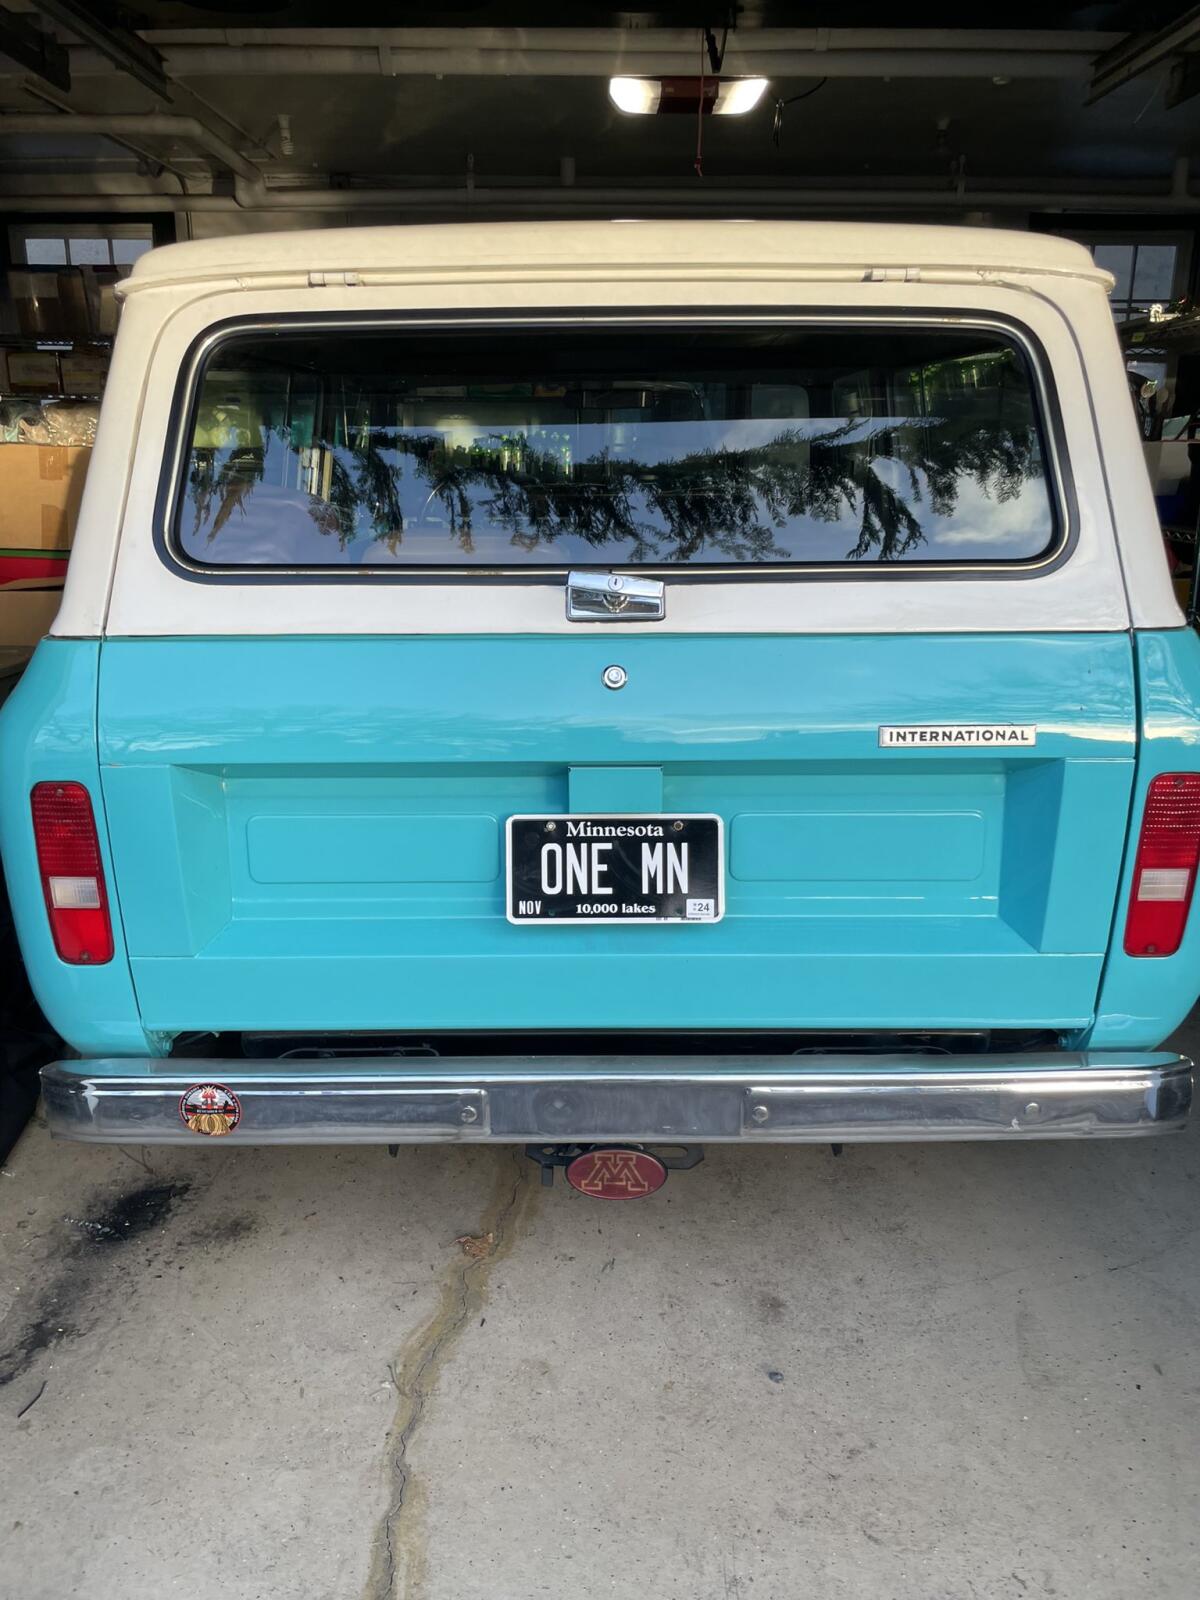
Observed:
{"x":482,"y":249}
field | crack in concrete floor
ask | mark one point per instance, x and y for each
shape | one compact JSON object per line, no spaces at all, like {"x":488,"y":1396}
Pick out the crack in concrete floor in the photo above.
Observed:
{"x":397,"y":1549}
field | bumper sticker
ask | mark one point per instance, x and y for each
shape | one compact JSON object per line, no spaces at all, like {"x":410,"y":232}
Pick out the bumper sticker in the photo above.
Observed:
{"x":210,"y":1108}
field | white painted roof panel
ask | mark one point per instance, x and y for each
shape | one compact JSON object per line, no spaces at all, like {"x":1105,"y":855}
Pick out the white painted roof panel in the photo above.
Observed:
{"x":844,"y":248}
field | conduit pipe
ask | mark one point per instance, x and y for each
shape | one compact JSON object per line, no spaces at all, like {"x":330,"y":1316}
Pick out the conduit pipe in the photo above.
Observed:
{"x":149,"y":125}
{"x":251,"y":192}
{"x":556,"y":202}
{"x":598,"y":52}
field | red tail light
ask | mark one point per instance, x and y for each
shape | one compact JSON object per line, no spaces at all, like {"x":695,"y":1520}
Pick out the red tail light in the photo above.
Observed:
{"x":68,"y":853}
{"x":1164,"y":874}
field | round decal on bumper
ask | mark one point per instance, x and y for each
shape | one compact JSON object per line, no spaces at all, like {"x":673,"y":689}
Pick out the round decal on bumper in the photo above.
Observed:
{"x":210,"y":1108}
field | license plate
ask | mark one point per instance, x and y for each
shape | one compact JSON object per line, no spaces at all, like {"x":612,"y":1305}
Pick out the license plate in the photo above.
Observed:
{"x":615,"y":867}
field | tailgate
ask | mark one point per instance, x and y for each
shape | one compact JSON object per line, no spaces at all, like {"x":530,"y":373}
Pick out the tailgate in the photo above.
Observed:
{"x":308,"y":833}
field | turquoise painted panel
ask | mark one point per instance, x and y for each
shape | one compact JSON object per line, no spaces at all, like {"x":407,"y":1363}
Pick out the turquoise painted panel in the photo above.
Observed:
{"x":168,"y":829}
{"x":1144,"y":998}
{"x":684,"y":987}
{"x":198,"y":802}
{"x":615,"y":789}
{"x":363,"y":849}
{"x":438,"y":703}
{"x":874,"y":788}
{"x":1032,"y":838}
{"x":1064,"y":843}
{"x":857,"y":846}
{"x":162,"y":883}
{"x":322,"y":736}
{"x":194,"y":751}
{"x":48,"y":732}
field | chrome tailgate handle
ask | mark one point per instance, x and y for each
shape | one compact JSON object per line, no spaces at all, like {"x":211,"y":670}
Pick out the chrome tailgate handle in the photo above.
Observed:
{"x":614,"y":597}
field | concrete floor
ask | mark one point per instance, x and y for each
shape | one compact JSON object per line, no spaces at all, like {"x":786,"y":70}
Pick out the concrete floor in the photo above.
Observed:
{"x":915,"y":1373}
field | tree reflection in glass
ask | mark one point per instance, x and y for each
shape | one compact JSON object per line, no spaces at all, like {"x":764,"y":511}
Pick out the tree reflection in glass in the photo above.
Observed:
{"x":942,"y":460}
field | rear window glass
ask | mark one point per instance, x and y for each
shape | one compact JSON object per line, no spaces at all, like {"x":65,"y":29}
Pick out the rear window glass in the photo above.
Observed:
{"x":564,"y":446}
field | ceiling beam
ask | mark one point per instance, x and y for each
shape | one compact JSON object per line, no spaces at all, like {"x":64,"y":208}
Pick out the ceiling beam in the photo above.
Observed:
{"x":34,"y":50}
{"x":453,"y":202}
{"x":1142,"y":51}
{"x":139,"y":126}
{"x":124,"y":50}
{"x":1183,"y":82}
{"x":601,"y":52}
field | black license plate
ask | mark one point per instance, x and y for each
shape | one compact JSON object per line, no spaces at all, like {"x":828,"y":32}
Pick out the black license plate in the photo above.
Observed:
{"x":615,"y":868}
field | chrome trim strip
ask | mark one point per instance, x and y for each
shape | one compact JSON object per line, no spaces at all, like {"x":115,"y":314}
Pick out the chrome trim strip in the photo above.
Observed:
{"x":603,"y":1099}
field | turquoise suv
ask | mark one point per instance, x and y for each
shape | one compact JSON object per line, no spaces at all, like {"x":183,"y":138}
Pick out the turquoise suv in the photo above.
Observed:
{"x":612,"y":684}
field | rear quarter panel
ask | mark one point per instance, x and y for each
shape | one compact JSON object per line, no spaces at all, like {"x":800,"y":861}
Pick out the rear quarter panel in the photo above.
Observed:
{"x":1144,"y":998}
{"x":47,"y":732}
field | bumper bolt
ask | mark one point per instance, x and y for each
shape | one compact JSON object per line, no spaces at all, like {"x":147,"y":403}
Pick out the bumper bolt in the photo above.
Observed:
{"x":760,"y":1114}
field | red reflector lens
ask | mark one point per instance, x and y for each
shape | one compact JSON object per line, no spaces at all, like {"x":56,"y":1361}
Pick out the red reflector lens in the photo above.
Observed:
{"x":68,"y":852}
{"x":1164,"y":873}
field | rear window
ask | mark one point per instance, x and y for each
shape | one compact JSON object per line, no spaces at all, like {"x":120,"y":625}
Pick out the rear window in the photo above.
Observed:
{"x":700,"y":446}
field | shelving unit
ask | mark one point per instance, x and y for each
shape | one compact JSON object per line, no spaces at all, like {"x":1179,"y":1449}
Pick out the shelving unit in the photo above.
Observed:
{"x":21,"y":344}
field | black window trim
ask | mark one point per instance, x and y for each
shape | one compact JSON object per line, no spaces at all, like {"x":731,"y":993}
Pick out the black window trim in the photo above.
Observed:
{"x":1063,"y":500}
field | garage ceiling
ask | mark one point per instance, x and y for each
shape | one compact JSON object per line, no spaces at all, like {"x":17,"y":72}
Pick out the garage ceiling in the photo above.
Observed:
{"x":456,"y":110}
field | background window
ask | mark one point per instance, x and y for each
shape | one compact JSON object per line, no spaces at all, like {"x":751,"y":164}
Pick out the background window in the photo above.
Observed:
{"x":45,"y":252}
{"x":80,"y":244}
{"x":1148,"y":272}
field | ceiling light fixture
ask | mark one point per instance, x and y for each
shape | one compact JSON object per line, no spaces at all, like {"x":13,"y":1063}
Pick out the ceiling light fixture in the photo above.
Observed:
{"x":722,"y":97}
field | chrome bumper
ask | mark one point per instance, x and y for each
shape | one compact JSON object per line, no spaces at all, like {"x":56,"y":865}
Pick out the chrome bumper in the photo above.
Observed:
{"x":608,"y":1099}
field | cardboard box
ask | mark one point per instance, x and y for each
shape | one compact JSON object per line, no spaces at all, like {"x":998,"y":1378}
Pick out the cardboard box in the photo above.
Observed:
{"x":41,"y":486}
{"x":33,"y":372}
{"x":84,"y":372}
{"x":103,"y":306}
{"x":26,"y":615}
{"x":50,"y":305}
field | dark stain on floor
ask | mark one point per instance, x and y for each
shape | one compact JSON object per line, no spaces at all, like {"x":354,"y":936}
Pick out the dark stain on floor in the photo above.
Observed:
{"x":62,"y":1311}
{"x":133,"y":1214}
{"x":224,"y":1231}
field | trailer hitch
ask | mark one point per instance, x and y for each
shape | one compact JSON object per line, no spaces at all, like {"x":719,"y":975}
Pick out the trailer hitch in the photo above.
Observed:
{"x":614,"y":1171}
